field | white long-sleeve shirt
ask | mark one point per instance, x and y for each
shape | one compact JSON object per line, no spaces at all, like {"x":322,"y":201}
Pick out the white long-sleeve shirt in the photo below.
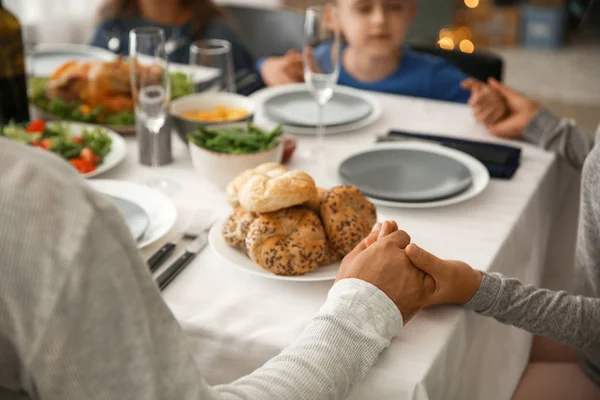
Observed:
{"x":81,"y":318}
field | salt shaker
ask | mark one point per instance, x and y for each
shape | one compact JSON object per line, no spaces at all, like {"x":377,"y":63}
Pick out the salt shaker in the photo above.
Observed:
{"x":144,"y":138}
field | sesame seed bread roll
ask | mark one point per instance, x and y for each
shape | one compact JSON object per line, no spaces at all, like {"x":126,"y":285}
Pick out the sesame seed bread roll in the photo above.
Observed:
{"x":315,"y":203}
{"x":347,"y":217}
{"x":287,"y":242}
{"x":236,"y":227}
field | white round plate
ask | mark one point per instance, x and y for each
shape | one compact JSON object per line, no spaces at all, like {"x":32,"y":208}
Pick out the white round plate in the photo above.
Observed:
{"x":240,"y":260}
{"x":263,"y":95}
{"x":118,"y":149}
{"x":479,"y":173}
{"x":161,"y":211}
{"x":47,"y":57}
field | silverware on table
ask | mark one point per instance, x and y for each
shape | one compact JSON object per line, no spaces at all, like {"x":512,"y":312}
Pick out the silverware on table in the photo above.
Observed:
{"x":199,"y":224}
{"x":191,"y":251}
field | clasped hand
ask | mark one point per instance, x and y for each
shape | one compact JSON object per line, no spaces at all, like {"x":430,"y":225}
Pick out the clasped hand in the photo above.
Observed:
{"x":410,"y":276}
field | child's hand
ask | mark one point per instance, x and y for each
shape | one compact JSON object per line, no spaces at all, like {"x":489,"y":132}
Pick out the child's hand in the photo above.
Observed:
{"x":487,"y":103}
{"x":282,"y":70}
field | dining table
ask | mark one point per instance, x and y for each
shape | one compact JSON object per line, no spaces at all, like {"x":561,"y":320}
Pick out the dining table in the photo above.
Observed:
{"x":523,"y":227}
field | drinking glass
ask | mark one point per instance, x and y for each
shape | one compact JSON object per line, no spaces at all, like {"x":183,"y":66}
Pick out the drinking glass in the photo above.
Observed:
{"x":321,"y":65}
{"x":151,"y":88}
{"x":211,"y":63}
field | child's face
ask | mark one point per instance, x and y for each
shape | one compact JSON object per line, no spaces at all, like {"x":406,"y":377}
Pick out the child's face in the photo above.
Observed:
{"x":377,"y":27}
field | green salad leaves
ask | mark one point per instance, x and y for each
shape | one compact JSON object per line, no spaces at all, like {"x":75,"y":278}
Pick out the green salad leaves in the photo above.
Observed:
{"x":250,"y":139}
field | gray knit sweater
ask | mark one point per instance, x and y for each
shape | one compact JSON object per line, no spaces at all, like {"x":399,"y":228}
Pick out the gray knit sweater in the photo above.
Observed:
{"x":571,"y":319}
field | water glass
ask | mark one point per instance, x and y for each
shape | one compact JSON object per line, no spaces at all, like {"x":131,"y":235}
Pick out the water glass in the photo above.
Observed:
{"x":211,"y":65}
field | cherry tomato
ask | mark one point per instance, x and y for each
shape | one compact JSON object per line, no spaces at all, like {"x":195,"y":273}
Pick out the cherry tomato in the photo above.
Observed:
{"x":78,"y":139}
{"x":82,"y":165}
{"x":36,"y":126}
{"x":45,"y":144}
{"x":88,"y":155}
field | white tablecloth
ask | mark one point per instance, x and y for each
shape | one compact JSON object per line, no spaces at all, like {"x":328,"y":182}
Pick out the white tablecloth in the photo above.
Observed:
{"x":236,"y":322}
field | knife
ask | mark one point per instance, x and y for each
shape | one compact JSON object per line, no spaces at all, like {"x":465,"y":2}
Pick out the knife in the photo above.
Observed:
{"x":178,"y":265}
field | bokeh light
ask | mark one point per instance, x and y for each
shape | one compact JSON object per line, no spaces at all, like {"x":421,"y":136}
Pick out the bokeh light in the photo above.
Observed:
{"x":471,"y":3}
{"x":446,"y":43}
{"x":466,"y":46}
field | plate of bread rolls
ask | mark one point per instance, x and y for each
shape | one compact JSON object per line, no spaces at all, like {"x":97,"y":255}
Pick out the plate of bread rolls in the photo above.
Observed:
{"x":285,"y":227}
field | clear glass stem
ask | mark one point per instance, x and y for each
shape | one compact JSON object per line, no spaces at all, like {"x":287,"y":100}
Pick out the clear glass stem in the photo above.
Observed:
{"x":320,"y":127}
{"x":154,"y":159}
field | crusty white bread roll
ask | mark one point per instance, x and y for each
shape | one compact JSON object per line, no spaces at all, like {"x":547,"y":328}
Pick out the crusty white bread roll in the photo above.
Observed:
{"x":347,"y":217}
{"x":236,"y":227}
{"x":287,"y":242}
{"x":270,"y":169}
{"x":262,"y":193}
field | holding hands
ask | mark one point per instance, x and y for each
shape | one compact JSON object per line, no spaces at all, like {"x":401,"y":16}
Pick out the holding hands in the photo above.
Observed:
{"x":283,"y":70}
{"x":504,"y":112}
{"x":380,"y":260}
{"x":410,"y":276}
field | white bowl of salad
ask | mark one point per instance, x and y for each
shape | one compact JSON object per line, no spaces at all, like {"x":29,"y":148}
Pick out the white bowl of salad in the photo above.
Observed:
{"x":89,"y":148}
{"x":221,"y":152}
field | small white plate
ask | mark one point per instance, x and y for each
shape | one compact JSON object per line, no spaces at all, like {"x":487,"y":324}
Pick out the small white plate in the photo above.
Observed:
{"x":161,"y":211}
{"x":261,"y":96}
{"x":479,"y":174}
{"x":240,"y":260}
{"x":118,"y":149}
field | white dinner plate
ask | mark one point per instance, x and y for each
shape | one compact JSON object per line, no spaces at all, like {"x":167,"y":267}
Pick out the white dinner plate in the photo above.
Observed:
{"x":118,"y":148}
{"x":260,"y":117}
{"x":240,"y":260}
{"x":479,"y":173}
{"x":161,"y":211}
{"x":47,"y":57}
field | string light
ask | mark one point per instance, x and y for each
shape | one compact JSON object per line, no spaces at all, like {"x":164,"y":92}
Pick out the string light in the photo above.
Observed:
{"x":446,"y":43}
{"x":466,"y":46}
{"x":471,"y":3}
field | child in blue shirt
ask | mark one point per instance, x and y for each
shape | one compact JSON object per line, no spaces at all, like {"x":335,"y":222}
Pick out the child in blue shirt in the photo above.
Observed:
{"x":375,"y":57}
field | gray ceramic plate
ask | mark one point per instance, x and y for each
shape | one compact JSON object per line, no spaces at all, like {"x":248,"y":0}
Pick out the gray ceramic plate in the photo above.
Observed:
{"x":137,"y":219}
{"x":300,"y":109}
{"x":405,"y":175}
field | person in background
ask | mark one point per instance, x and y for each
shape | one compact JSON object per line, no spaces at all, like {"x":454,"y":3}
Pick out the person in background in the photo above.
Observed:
{"x":81,"y":317}
{"x":565,"y":362}
{"x":376,"y":57}
{"x":183,"y":21}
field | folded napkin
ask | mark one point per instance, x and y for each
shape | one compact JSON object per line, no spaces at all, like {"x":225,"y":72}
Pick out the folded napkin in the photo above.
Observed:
{"x":501,"y":161}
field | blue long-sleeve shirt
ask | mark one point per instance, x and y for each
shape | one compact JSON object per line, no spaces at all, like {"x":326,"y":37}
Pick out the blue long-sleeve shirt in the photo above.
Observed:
{"x":418,"y":75}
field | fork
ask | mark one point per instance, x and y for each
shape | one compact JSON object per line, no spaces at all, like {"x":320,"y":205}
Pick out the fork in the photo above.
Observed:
{"x":200,"y":222}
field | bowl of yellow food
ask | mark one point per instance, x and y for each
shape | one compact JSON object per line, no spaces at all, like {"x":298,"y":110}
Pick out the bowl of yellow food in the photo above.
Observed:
{"x":209,"y":108}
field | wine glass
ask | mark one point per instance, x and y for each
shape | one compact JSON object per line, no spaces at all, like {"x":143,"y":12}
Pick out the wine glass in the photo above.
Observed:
{"x":151,"y":88}
{"x":321,"y":59}
{"x":213,"y":58}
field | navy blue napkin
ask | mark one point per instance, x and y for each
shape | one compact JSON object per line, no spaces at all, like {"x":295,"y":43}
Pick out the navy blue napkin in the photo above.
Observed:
{"x":500,"y":160}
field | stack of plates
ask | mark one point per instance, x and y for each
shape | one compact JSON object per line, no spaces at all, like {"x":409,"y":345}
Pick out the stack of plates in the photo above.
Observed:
{"x":414,"y":174}
{"x":294,"y":107}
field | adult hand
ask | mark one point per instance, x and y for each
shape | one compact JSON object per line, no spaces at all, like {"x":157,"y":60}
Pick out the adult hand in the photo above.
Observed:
{"x":487,"y":104}
{"x":455,"y":281}
{"x":520,"y":112}
{"x":282,"y":70}
{"x":385,"y":265}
